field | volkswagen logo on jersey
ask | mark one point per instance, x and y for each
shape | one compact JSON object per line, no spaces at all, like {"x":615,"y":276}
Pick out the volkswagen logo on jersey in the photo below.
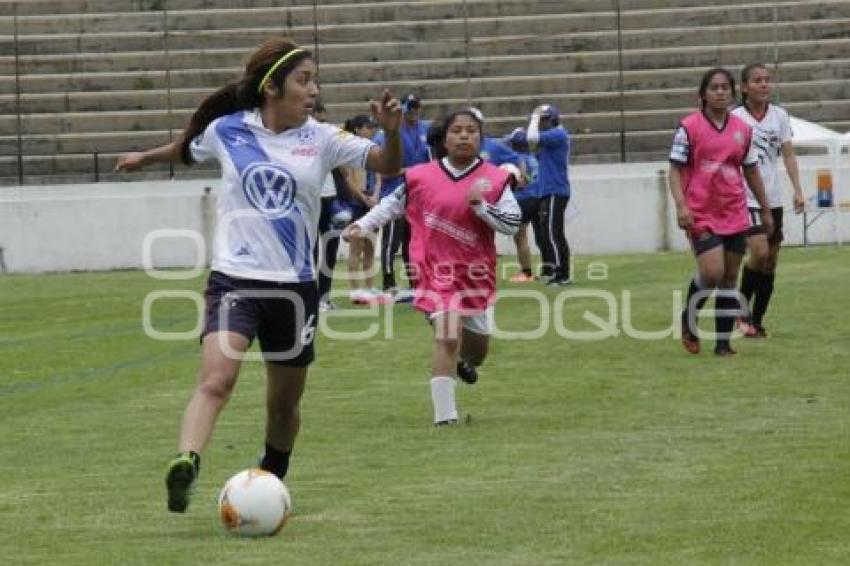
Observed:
{"x":269,"y":188}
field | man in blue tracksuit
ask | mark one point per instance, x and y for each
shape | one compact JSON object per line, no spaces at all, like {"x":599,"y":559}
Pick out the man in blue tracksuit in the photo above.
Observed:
{"x":550,"y":144}
{"x":414,"y":139}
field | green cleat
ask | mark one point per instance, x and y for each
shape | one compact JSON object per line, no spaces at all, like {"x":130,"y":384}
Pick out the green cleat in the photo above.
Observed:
{"x":180,"y":481}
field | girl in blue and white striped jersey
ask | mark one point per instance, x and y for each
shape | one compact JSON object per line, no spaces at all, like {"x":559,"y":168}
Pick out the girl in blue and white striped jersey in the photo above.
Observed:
{"x":274,"y":158}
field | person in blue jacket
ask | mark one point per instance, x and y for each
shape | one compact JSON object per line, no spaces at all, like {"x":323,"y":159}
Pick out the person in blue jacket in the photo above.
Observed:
{"x":549,"y":141}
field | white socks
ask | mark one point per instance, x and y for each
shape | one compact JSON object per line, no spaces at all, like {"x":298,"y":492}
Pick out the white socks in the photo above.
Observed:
{"x":443,"y":398}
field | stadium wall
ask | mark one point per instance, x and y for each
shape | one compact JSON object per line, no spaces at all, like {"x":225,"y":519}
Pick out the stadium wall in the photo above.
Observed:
{"x":614,"y":209}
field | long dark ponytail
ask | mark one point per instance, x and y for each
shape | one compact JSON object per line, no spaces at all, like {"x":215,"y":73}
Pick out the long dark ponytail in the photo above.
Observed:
{"x":245,"y":93}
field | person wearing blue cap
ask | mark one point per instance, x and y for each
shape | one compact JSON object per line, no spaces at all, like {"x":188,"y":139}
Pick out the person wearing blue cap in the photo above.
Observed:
{"x":549,"y":141}
{"x":414,"y":139}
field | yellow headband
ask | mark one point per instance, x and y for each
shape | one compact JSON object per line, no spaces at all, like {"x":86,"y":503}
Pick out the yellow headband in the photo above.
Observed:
{"x":274,"y":67}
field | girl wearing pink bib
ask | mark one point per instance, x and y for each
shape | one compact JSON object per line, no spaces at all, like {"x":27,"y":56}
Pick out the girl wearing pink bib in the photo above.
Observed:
{"x":712,"y":153}
{"x":454,"y":206}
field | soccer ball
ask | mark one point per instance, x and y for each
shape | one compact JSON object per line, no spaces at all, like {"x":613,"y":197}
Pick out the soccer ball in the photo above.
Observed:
{"x":254,"y":503}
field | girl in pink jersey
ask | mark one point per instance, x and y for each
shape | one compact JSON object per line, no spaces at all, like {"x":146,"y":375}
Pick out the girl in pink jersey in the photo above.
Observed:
{"x":710,"y":149}
{"x":454,"y":205}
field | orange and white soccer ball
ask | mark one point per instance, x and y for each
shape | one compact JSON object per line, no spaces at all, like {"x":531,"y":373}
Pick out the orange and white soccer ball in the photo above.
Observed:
{"x":254,"y":503}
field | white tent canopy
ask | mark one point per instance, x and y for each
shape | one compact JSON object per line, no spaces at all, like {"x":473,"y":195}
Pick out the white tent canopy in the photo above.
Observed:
{"x":809,"y":134}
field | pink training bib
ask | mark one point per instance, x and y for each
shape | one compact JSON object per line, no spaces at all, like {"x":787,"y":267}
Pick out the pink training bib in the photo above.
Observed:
{"x":452,"y":250}
{"x":713,"y":183}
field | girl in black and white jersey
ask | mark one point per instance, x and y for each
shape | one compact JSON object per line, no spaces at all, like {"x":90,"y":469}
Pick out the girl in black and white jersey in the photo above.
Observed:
{"x":772,"y":137}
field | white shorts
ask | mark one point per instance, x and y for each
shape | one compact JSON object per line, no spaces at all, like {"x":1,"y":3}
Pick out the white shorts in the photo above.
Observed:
{"x":481,"y":323}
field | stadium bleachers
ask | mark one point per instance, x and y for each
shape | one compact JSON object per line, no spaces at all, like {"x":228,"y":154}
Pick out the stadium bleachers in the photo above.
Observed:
{"x":84,"y":80}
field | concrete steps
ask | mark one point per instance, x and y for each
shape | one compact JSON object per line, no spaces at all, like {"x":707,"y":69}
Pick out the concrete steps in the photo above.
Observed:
{"x":588,"y":148}
{"x":405,"y":13}
{"x":417,"y":22}
{"x":407,"y":16}
{"x":586,"y":87}
{"x":512,"y":101}
{"x":46,"y":134}
{"x":382,"y":72}
{"x":44,"y":7}
{"x":100,"y":75}
{"x":451,"y":48}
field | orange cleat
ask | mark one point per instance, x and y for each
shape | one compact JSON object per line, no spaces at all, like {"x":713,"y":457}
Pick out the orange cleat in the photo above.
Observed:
{"x":689,"y":341}
{"x":747,"y":329}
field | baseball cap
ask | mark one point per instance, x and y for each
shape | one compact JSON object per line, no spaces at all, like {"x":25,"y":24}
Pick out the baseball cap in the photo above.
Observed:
{"x":550,"y":111}
{"x":410,"y":100}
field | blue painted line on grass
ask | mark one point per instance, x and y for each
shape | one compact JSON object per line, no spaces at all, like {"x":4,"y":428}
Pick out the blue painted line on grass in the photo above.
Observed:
{"x":93,"y":373}
{"x":118,"y":329}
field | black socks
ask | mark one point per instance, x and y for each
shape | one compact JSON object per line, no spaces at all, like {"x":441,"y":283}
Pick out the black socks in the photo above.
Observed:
{"x":693,"y":289}
{"x":725,"y":304}
{"x":764,"y":290}
{"x":757,"y":286}
{"x":275,"y":461}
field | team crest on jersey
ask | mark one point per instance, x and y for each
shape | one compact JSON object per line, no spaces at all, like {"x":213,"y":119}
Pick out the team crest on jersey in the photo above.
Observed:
{"x":306,"y":135}
{"x":269,"y":188}
{"x":738,"y":137}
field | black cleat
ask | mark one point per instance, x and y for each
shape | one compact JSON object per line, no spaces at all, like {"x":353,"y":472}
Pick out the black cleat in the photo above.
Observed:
{"x":467,"y":372}
{"x":447,"y":422}
{"x":724,"y":350}
{"x":180,"y":481}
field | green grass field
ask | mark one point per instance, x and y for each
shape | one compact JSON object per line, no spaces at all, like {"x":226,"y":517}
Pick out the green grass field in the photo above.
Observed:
{"x":619,"y":451}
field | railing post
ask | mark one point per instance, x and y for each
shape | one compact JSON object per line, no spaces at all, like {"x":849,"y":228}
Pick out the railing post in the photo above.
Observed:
{"x":167,"y":49}
{"x":663,"y":211}
{"x":467,"y":63}
{"x":316,"y":33}
{"x":20,"y":123}
{"x":621,"y":81}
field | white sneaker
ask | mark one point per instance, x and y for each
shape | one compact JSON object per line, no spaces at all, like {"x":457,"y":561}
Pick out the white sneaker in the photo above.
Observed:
{"x":361,"y":296}
{"x":325,"y":306}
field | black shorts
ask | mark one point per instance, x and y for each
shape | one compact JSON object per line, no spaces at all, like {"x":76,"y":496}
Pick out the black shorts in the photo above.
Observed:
{"x":735,"y":243}
{"x":282,"y":316}
{"x":778,"y":215}
{"x":529,"y":208}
